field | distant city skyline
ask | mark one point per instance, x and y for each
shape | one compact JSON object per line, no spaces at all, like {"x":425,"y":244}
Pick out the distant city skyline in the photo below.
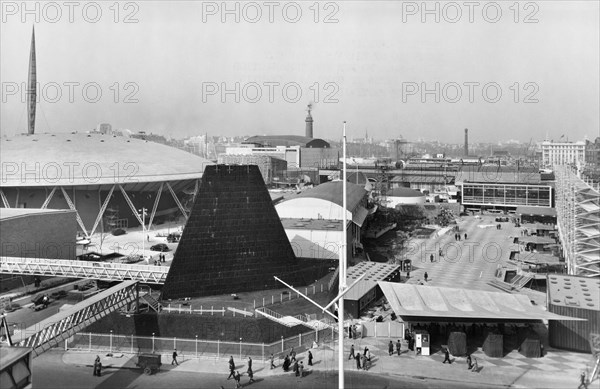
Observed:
{"x":379,"y":67}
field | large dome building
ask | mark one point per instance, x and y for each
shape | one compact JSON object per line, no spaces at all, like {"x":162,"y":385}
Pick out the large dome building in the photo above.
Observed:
{"x":107,"y":179}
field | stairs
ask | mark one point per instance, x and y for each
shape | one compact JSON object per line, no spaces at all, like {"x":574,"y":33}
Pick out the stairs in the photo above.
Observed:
{"x":521,"y":280}
{"x":152,"y":302}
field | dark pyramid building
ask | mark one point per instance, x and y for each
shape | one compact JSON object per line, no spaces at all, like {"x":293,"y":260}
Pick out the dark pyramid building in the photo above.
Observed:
{"x":233,"y":240}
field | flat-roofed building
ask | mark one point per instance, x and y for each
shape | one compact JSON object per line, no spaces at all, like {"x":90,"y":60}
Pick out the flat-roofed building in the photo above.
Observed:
{"x":366,"y":291}
{"x":562,"y":153}
{"x":574,"y":297}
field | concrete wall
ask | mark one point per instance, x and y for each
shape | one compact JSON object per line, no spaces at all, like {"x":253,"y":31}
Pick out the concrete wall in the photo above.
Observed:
{"x":315,"y":243}
{"x":43,"y":235}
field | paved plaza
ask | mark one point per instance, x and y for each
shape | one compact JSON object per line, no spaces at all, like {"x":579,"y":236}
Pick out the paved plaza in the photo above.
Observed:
{"x":557,"y":369}
{"x":469,"y":263}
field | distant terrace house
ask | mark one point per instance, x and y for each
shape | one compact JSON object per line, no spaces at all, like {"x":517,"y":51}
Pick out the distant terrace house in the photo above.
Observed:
{"x":504,"y":190}
{"x":313,"y":220}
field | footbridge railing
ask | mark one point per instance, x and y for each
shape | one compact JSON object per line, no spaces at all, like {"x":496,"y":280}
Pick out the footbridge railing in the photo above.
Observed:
{"x":54,"y":330}
{"x":105,"y":271}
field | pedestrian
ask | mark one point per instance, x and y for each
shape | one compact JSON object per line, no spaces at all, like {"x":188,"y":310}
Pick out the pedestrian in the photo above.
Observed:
{"x":174,"y":361}
{"x":469,"y":362}
{"x":296,"y":368}
{"x":97,"y":366}
{"x":231,"y":368}
{"x":431,"y":258}
{"x":148,"y":237}
{"x":398,"y":346}
{"x":465,"y":236}
{"x":286,"y":363}
{"x":249,"y":363}
{"x":237,"y":377}
{"x":582,"y":381}
{"x":293,"y":355}
{"x":408,"y":274}
{"x":251,"y":376}
{"x":301,"y":370}
{"x":475,"y":368}
{"x":310,"y":358}
{"x":357,"y":357}
{"x":458,"y":237}
{"x":351,"y":352}
{"x":441,"y":253}
{"x":272,"y":361}
{"x":447,"y":356}
{"x":391,"y":348}
{"x":425,"y":276}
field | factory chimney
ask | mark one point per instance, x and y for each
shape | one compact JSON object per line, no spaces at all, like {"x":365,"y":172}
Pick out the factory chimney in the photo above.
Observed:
{"x":31,"y":87}
{"x":309,"y":123}
{"x":466,"y":142}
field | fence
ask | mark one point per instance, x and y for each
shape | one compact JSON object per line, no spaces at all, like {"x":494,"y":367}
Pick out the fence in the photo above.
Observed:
{"x":196,"y":348}
{"x":390,"y":329}
{"x":238,"y":305}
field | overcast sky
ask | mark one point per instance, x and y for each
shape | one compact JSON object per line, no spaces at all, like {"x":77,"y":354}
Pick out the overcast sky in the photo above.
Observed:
{"x":364,"y":62}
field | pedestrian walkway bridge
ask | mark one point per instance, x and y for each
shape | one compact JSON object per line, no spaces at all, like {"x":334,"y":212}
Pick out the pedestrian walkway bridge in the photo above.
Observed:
{"x":292,"y":321}
{"x":105,"y":271}
{"x":54,"y":330}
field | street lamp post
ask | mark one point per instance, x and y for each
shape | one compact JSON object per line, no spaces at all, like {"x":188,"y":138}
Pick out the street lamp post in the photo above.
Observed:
{"x":143,"y":212}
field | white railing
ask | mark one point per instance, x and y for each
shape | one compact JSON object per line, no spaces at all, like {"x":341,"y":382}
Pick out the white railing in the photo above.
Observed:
{"x":106,"y":271}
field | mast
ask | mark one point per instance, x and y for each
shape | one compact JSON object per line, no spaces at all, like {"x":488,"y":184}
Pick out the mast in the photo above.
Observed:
{"x":31,"y":87}
{"x":342,"y":272}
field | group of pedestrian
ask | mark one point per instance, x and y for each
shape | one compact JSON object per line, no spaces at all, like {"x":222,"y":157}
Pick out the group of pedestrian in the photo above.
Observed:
{"x":161,"y":258}
{"x":498,"y":226}
{"x":391,"y":347}
{"x":457,"y":237}
{"x":363,"y":361}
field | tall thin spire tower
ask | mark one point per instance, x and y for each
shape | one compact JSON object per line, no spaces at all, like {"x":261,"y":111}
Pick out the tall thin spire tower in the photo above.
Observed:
{"x":31,"y":87}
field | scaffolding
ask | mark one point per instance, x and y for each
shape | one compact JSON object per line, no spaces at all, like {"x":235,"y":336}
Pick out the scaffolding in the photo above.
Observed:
{"x":578,"y":219}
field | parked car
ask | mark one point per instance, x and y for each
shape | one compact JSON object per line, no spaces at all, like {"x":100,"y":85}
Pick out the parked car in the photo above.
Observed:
{"x":160,"y":247}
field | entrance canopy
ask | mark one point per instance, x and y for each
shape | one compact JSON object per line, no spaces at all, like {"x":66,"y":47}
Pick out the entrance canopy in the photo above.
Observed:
{"x":448,"y":303}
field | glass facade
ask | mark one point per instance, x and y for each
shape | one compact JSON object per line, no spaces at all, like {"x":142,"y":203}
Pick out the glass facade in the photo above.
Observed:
{"x":506,"y":195}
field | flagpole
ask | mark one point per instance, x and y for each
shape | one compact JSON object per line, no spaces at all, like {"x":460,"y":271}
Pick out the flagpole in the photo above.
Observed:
{"x":342,"y":272}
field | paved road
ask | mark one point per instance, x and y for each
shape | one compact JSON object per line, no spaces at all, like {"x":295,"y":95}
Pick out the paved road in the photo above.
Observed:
{"x":50,"y":371}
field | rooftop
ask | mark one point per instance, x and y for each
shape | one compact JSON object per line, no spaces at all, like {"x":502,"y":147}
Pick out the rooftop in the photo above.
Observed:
{"x":573,"y":291}
{"x":81,"y":159}
{"x":332,"y":191}
{"x":9,"y":213}
{"x":287,"y":140}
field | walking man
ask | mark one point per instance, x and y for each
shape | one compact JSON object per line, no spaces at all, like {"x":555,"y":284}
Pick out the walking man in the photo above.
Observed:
{"x":465,"y":236}
{"x":431,"y":258}
{"x":301,"y":370}
{"x":174,"y":361}
{"x":351,"y":352}
{"x":272,"y":361}
{"x":251,"y":376}
{"x":357,"y":357}
{"x":97,"y":366}
{"x":469,"y":362}
{"x":249,"y":364}
{"x":293,"y":355}
{"x":391,"y":348}
{"x":447,"y":356}
{"x":310,"y":358}
{"x":231,"y":368}
{"x":425,"y":276}
{"x":398,"y":346}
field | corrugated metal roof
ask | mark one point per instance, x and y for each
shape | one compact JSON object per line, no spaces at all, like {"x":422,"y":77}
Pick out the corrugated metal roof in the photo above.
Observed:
{"x":439,"y":302}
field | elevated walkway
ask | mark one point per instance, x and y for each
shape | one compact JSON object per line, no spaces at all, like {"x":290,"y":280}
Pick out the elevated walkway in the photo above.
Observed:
{"x":292,"y":321}
{"x":56,"y":329}
{"x":105,"y":271}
